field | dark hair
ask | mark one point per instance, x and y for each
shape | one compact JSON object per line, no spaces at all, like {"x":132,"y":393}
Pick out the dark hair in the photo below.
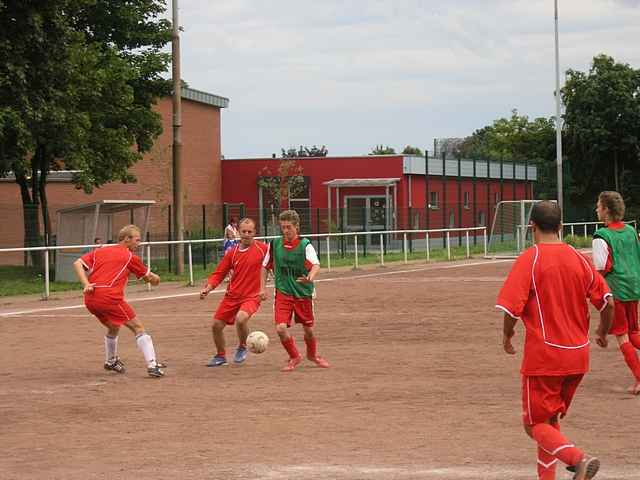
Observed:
{"x":546,"y":216}
{"x":613,"y":202}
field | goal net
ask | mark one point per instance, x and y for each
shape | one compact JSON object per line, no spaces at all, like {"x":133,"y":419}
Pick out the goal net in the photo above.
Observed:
{"x":510,"y":233}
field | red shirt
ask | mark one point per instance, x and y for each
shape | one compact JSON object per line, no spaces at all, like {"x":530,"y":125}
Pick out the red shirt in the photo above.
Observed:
{"x":246,"y":263}
{"x":109,"y":269}
{"x":547,"y":289}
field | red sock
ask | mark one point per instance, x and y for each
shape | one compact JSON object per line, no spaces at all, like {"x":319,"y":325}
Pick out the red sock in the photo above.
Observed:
{"x":546,"y":465}
{"x":631,"y":357}
{"x":290,"y":346}
{"x":554,"y":443}
{"x":634,"y":338}
{"x":221,"y":353}
{"x":312,"y":346}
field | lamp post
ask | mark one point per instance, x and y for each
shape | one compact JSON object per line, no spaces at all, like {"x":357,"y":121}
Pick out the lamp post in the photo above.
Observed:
{"x":558,"y":118}
{"x":178,"y":207}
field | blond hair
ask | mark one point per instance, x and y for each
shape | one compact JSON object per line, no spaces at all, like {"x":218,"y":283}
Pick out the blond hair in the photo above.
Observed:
{"x":247,"y":220}
{"x":613,"y":202}
{"x":128,"y":232}
{"x":290,"y":216}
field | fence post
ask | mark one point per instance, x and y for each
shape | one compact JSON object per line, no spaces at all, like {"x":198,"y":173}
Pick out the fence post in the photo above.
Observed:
{"x":149,"y":264}
{"x":410,"y":227}
{"x":204,"y":236}
{"x":46,"y":275}
{"x":170,"y":237}
{"x":484,"y":240}
{"x":467,"y":238}
{"x":318,"y":228}
{"x":448,"y":246}
{"x":381,"y":250}
{"x":328,"y":253}
{"x":355,"y":246}
{"x":426,"y":239}
{"x":404,"y":244}
{"x":585,"y":230}
{"x":572,"y":230}
{"x":190,"y":266}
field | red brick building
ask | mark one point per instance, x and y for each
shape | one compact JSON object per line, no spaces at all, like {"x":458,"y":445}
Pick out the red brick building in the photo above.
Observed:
{"x":377,"y":192}
{"x":201,"y":172}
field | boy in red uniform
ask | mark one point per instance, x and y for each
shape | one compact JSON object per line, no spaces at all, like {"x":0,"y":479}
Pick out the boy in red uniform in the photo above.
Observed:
{"x":616,"y":254}
{"x":295,"y":264}
{"x":244,"y":293}
{"x":547,"y":289}
{"x":109,"y":268}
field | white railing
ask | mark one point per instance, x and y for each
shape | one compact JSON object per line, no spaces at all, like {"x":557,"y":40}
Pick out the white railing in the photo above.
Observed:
{"x":574,"y":226}
{"x":444,"y":233}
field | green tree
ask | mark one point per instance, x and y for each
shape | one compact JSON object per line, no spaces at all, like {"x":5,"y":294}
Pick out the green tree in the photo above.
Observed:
{"x":409,"y":150}
{"x":78,"y":80}
{"x":602,"y":130}
{"x":382,"y":150}
{"x":282,"y":184}
{"x":303,"y":151}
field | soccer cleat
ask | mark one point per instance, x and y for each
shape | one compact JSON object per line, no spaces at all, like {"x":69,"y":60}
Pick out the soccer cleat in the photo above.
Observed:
{"x":155,"y":372}
{"x":241,"y":355}
{"x":319,"y":361}
{"x":587,"y":468}
{"x":292,"y":364}
{"x":160,"y":365}
{"x":115,"y":365}
{"x":217,"y":361}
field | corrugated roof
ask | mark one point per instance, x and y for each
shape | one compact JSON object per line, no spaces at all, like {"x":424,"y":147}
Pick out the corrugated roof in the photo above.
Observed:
{"x":204,"y":97}
{"x":362,"y":182}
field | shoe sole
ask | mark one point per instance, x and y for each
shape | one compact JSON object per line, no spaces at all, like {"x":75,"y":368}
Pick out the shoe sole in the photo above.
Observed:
{"x":591,"y":469}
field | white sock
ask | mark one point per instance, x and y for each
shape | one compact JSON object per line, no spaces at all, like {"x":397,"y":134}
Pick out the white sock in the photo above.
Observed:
{"x":110,"y":348}
{"x":145,"y":344}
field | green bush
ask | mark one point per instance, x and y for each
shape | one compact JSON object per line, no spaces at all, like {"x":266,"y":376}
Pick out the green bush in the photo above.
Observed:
{"x":577,"y":241}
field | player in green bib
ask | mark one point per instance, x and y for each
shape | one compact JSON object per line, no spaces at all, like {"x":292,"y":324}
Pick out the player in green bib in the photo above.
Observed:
{"x":616,"y":254}
{"x":294,"y":264}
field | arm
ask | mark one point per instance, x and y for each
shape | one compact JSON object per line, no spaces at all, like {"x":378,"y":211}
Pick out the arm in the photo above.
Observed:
{"x":311,"y":275}
{"x":217,"y":276}
{"x":263,"y":283}
{"x":312,"y":264}
{"x":606,"y":318}
{"x":78,"y":266}
{"x":508,"y":331}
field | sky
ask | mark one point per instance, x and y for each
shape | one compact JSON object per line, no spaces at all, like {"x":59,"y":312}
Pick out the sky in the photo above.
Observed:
{"x":353,"y":74}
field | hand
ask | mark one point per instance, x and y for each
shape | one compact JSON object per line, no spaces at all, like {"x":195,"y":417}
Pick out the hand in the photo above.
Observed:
{"x":205,"y":291}
{"x":88,"y":288}
{"x":263,"y":295}
{"x":304,"y":280}
{"x":507,"y":345}
{"x":601,"y":339}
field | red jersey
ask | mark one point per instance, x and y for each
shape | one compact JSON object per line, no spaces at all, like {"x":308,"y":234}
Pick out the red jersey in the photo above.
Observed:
{"x":109,"y":269}
{"x":547,"y":289}
{"x":246,"y":263}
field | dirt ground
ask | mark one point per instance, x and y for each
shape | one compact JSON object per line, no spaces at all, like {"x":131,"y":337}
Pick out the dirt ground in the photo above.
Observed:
{"x":419,"y":389}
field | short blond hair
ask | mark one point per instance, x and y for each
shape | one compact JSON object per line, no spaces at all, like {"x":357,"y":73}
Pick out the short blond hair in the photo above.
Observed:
{"x":290,"y":216}
{"x":128,"y":231}
{"x":613,"y":202}
{"x":247,"y":220}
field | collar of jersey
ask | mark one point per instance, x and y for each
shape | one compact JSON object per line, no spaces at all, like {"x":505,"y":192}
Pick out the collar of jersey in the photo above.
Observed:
{"x":290,"y":245}
{"x":616,"y":225}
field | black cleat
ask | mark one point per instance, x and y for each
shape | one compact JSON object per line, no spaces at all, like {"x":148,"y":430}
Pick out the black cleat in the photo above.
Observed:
{"x":155,"y":371}
{"x":115,"y":365}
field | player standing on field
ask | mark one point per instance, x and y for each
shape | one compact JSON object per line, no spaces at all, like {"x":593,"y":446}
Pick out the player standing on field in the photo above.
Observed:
{"x":294,"y":263}
{"x":109,"y":268}
{"x":616,"y":254}
{"x":244,"y":292}
{"x":547,"y":289}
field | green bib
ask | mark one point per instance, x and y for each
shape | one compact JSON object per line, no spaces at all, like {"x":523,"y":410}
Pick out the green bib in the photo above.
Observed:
{"x":288,"y":265}
{"x":624,"y":278}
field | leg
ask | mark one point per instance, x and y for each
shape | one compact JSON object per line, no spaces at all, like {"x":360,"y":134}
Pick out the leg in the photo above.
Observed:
{"x":111,"y":361}
{"x":242,"y":328}
{"x":145,"y":344}
{"x":312,"y":347}
{"x":631,"y":359}
{"x":546,"y":462}
{"x":217,"y":330}
{"x":283,"y":309}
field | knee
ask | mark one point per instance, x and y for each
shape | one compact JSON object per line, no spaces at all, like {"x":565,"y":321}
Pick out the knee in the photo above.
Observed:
{"x":218,"y":326}
{"x":242,"y":319}
{"x":308,"y":333}
{"x":281,"y":329}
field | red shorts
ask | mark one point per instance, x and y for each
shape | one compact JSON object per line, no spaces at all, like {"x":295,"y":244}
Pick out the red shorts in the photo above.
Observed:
{"x":544,"y":397}
{"x":230,"y":306}
{"x":625,"y":318}
{"x":110,"y":313}
{"x":286,"y":307}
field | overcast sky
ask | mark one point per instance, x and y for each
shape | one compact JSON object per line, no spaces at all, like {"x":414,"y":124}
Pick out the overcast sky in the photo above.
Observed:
{"x":350,"y":74}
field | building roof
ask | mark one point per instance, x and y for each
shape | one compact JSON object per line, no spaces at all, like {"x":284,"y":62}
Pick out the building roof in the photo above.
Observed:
{"x":107,"y":206}
{"x":204,"y":97}
{"x":362,"y":182}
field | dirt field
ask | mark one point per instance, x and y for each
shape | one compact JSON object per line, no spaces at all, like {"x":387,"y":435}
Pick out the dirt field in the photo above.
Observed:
{"x":419,"y":389}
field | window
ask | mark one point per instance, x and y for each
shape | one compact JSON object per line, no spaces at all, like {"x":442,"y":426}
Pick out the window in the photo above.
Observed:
{"x":299,"y":201}
{"x":482,"y":219}
{"x":433,"y":200}
{"x":465,"y":201}
{"x":496,"y":197}
{"x":452,"y":219}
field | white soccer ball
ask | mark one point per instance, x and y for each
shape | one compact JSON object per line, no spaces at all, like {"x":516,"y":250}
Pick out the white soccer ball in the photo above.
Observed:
{"x":257,"y":342}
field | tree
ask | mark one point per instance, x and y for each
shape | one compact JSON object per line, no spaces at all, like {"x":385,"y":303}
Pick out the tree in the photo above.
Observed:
{"x":78,"y":81}
{"x":602,"y":130}
{"x":382,"y":150}
{"x":285,"y":183}
{"x":409,"y":150}
{"x":305,"y":152}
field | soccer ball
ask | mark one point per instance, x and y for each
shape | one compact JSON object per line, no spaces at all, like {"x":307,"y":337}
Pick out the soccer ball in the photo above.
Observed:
{"x":257,"y":342}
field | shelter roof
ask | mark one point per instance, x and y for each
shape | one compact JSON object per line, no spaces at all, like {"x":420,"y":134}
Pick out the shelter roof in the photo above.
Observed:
{"x":108,"y":206}
{"x":362,"y":182}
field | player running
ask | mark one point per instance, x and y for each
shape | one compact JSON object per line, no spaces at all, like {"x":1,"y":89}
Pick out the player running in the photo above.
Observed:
{"x":109,"y":268}
{"x":547,"y":289}
{"x":294,"y":264}
{"x":616,"y":254}
{"x":244,"y":293}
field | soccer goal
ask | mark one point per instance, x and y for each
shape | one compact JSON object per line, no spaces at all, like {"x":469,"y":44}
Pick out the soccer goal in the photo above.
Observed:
{"x":510,"y":232}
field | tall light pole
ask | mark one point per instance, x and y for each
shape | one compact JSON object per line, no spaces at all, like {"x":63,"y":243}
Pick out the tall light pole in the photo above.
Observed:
{"x":558,"y":118}
{"x":178,"y":207}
